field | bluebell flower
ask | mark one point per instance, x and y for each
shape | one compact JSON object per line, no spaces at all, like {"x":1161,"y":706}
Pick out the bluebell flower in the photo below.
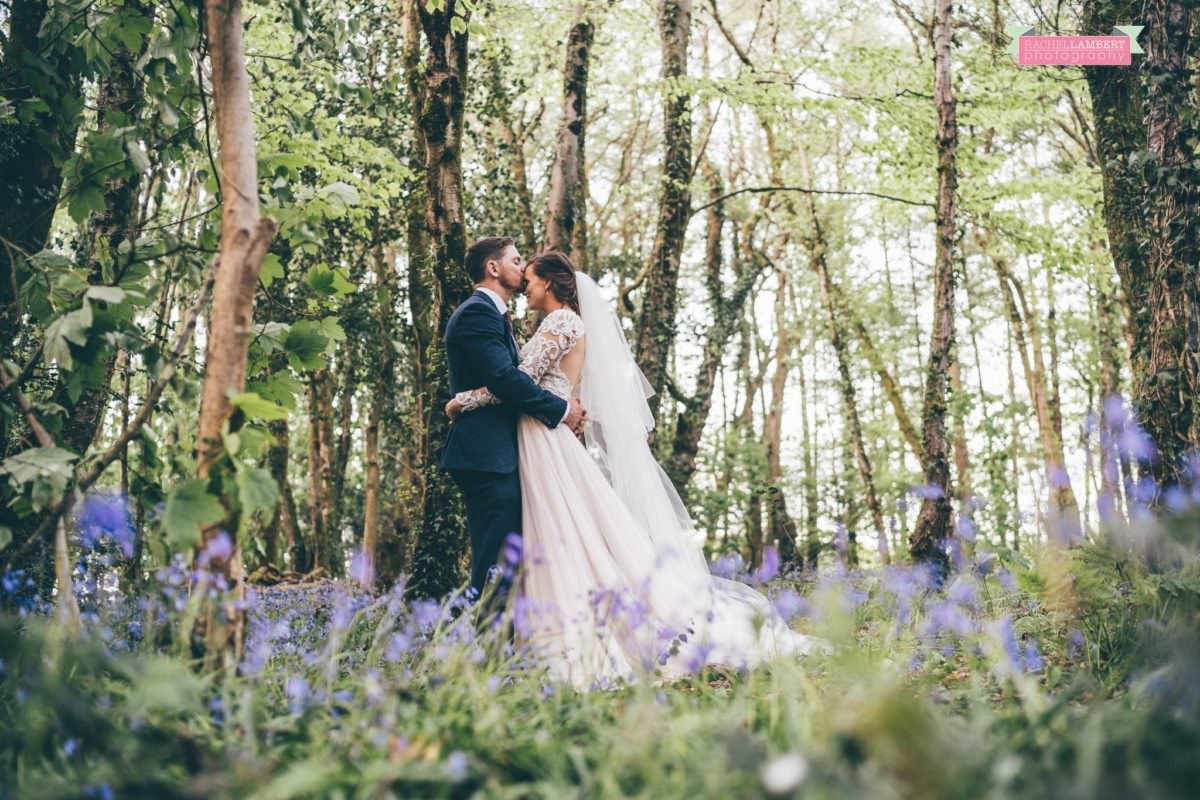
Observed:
{"x":727,"y":565}
{"x":105,"y":515}
{"x":1006,"y":579}
{"x":362,"y":570}
{"x":1033,"y":657}
{"x":1135,"y":443}
{"x":218,"y":548}
{"x":512,"y":549}
{"x":769,"y":567}
{"x":963,"y":592}
{"x":927,"y":491}
{"x":425,"y":614}
{"x":1058,"y":477}
{"x":788,"y":603}
{"x":297,"y":694}
{"x":948,"y":617}
{"x":1003,"y":630}
{"x":70,"y":746}
{"x":1075,"y":644}
{"x":457,"y":765}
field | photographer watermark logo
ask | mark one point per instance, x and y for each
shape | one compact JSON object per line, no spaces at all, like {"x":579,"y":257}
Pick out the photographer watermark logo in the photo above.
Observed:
{"x":1113,"y":50}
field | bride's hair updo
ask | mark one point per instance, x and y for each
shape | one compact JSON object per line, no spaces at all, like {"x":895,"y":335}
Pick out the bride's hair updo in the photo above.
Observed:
{"x":557,"y":269}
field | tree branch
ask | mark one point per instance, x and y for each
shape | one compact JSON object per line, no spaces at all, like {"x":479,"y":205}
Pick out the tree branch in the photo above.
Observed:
{"x":806,"y":190}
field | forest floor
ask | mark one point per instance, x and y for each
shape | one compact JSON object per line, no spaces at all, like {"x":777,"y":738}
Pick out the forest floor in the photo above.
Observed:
{"x":1055,"y":673}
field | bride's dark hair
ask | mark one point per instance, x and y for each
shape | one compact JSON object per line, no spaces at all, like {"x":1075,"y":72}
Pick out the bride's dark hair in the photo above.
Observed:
{"x":558,"y":270}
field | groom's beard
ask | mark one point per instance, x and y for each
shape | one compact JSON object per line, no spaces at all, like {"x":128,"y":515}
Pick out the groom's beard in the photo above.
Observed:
{"x":514,"y":288}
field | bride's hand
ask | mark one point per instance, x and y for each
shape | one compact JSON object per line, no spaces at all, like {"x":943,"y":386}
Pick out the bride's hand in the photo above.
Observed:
{"x":453,"y":409}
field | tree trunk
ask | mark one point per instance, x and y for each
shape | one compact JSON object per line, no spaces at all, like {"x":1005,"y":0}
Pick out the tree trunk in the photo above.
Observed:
{"x":656,"y":329}
{"x":891,"y":389}
{"x":442,"y":545}
{"x":817,"y":245}
{"x":1169,"y":391}
{"x":39,"y":64}
{"x":1111,"y":503}
{"x":812,"y":534}
{"x":322,"y":536}
{"x":284,"y":528}
{"x":781,"y":529}
{"x":1065,"y":514}
{"x":566,"y":223}
{"x":245,"y":236}
{"x":934,"y":523}
{"x":726,"y":311}
{"x":371,"y":501}
{"x":1118,"y":97}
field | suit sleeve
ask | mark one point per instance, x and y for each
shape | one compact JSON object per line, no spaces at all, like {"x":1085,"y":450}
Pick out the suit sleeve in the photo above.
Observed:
{"x":490,"y":358}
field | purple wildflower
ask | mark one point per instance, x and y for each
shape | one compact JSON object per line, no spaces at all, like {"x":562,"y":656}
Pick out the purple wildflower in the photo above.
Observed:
{"x":788,"y":603}
{"x":1075,"y":643}
{"x":727,"y":565}
{"x":457,"y":765}
{"x":362,"y":570}
{"x":1136,"y":443}
{"x":297,"y":693}
{"x":425,"y":614}
{"x":106,"y":516}
{"x":1033,"y":657}
{"x":948,"y":617}
{"x":927,"y":491}
{"x":1058,"y":477}
{"x":218,"y":548}
{"x":963,"y":592}
{"x":511,"y":552}
{"x":769,"y":567}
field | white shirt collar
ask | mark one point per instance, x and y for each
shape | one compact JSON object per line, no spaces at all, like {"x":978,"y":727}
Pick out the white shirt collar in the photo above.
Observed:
{"x":501,"y":306}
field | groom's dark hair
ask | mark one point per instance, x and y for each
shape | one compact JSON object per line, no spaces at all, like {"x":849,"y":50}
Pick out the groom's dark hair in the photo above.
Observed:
{"x":484,"y":250}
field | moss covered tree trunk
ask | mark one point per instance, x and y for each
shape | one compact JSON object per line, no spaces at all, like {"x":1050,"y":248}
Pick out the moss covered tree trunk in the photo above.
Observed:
{"x":566,"y":221}
{"x":927,"y":543}
{"x":656,"y":327}
{"x":441,"y":544}
{"x":1169,"y":391}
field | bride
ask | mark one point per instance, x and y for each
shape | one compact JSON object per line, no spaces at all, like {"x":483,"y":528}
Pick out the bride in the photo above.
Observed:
{"x":613,"y":578}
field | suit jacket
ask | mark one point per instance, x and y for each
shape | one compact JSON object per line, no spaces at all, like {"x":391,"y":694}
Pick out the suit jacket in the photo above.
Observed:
{"x":480,"y":352}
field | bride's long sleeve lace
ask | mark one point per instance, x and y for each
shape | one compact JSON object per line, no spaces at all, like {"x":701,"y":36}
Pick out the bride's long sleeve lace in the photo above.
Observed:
{"x":540,"y":357}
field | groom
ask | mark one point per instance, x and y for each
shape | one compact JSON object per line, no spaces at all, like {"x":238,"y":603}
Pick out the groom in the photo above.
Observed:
{"x":480,"y":452}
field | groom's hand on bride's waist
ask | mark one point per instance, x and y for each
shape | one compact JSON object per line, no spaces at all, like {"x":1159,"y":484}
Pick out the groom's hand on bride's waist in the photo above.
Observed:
{"x":576,"y":417}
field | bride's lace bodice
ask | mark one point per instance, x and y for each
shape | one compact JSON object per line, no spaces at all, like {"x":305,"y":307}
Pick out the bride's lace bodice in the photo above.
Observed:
{"x":541,"y":359}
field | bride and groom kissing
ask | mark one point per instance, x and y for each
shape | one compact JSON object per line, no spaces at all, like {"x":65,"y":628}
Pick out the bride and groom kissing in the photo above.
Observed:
{"x":548,"y":443}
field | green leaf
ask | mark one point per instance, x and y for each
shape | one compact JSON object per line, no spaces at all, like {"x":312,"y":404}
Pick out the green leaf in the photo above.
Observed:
{"x":39,"y":462}
{"x":106,"y":294}
{"x":340,"y":194}
{"x":71,"y":327}
{"x":458,"y":24}
{"x":84,"y":200}
{"x":138,"y":156}
{"x":333,"y":329}
{"x":164,"y":685}
{"x":305,"y":343}
{"x":5,"y":536}
{"x":257,"y":490}
{"x":190,"y":508}
{"x":272,"y":269}
{"x":280,"y":387}
{"x":256,"y":407}
{"x":320,"y":280}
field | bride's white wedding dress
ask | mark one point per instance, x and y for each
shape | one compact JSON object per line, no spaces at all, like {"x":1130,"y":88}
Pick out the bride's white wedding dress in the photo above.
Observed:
{"x":613,"y":583}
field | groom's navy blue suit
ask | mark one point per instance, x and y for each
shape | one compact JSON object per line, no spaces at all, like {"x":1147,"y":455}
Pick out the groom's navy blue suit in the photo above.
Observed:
{"x":480,"y":452}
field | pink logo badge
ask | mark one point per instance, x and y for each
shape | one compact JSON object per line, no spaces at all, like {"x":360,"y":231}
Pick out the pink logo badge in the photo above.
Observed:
{"x":1113,"y":50}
